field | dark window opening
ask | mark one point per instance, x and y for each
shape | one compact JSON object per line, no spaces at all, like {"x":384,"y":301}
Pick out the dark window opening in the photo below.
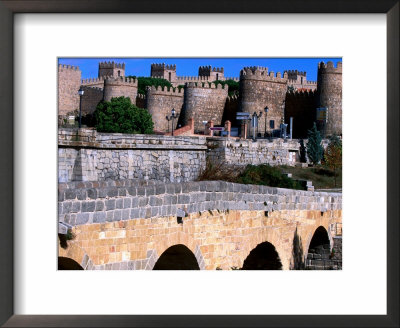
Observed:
{"x":177,"y":257}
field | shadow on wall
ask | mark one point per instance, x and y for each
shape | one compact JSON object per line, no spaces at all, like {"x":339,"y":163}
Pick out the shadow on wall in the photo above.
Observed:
{"x":77,"y":169}
{"x":297,"y":253}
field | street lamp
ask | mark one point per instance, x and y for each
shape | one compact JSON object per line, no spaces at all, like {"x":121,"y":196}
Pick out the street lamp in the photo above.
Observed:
{"x":80,"y":92}
{"x":168,"y":119}
{"x":265,"y":124}
{"x":258,"y":117}
{"x":172,"y":117}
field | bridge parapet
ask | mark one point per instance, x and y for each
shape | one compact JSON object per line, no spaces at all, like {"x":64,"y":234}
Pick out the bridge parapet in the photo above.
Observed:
{"x":108,"y":201}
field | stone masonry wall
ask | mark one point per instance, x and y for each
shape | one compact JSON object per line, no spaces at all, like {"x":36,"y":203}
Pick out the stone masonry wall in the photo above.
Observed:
{"x":302,"y":106}
{"x":159,"y":103}
{"x":120,"y":87}
{"x":90,"y":99}
{"x":127,"y":225}
{"x":259,"y":89}
{"x":244,"y":152}
{"x":69,"y":81}
{"x":86,"y":155}
{"x":330,"y":95}
{"x":204,"y":103}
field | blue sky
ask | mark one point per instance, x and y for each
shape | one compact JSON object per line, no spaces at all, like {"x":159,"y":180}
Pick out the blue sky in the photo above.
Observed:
{"x":190,"y":66}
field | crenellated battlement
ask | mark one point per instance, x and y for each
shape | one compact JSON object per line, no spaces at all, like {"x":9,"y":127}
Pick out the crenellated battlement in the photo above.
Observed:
{"x":209,"y":85}
{"x":159,"y":90}
{"x":69,"y":67}
{"x":88,"y":87}
{"x":111,"y":65}
{"x":262,"y":74}
{"x":163,"y":66}
{"x":303,"y":93}
{"x":329,"y":67}
{"x":236,"y":79}
{"x":296,"y":72}
{"x":121,"y":81}
{"x":95,"y":80}
{"x":206,"y":70}
{"x":184,"y":79}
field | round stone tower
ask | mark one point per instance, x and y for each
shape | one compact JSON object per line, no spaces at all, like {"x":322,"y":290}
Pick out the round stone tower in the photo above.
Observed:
{"x":329,"y":93}
{"x":260,"y":89}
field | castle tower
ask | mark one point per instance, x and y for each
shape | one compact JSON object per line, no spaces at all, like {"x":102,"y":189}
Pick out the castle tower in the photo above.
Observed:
{"x":260,"y":89}
{"x":111,"y":69}
{"x":213,"y":73}
{"x":329,"y":93}
{"x":69,"y":81}
{"x":163,"y":71}
{"x":120,"y":87}
{"x":204,"y":102}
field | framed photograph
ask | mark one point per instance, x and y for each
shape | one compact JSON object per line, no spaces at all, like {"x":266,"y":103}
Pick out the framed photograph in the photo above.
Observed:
{"x":207,"y":90}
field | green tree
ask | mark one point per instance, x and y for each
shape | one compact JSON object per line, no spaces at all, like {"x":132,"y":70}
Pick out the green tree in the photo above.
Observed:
{"x":120,"y":116}
{"x":144,"y":82}
{"x":233,"y":86}
{"x":315,"y":150}
{"x":333,"y":155}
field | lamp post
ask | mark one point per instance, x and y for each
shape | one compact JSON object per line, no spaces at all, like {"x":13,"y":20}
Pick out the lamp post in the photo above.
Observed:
{"x":168,"y":119}
{"x":173,"y":117}
{"x":80,"y":92}
{"x":258,"y":117}
{"x":265,"y":123}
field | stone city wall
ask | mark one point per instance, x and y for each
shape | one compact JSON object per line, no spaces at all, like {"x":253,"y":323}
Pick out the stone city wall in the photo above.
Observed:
{"x":126,"y":225}
{"x":159,"y":103}
{"x":244,"y":152}
{"x":85,"y":155}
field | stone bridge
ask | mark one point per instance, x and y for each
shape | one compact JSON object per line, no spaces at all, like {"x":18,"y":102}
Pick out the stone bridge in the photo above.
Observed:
{"x":131,"y":225}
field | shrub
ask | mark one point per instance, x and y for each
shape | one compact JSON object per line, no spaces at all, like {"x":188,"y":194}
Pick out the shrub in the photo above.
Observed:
{"x":267,"y":175}
{"x":120,"y":116}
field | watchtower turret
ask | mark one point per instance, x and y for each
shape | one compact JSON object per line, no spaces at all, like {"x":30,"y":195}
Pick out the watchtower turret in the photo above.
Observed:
{"x":111,"y":69}
{"x":214,"y":73}
{"x":163,"y":71}
{"x":329,"y":93}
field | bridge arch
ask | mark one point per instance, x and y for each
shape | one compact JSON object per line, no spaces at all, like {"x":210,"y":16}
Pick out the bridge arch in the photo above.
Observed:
{"x":77,"y":254}
{"x":66,"y":263}
{"x":319,"y":237}
{"x":263,"y":257}
{"x":177,"y":257}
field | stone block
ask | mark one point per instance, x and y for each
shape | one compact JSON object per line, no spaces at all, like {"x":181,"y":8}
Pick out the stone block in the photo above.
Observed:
{"x":82,"y":218}
{"x":160,"y":189}
{"x":117,"y":215}
{"x":70,"y":194}
{"x":99,"y":217}
{"x":125,"y":214}
{"x":119,"y":203}
{"x":76,"y":207}
{"x":92,"y":193}
{"x":88,"y":206}
{"x":110,"y":204}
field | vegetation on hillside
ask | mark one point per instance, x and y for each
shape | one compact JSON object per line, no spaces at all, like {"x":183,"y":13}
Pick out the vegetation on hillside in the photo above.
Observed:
{"x":120,"y":116}
{"x":251,"y":174}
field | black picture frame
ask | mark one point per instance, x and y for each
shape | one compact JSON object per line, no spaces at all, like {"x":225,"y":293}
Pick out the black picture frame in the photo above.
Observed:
{"x":7,"y":10}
